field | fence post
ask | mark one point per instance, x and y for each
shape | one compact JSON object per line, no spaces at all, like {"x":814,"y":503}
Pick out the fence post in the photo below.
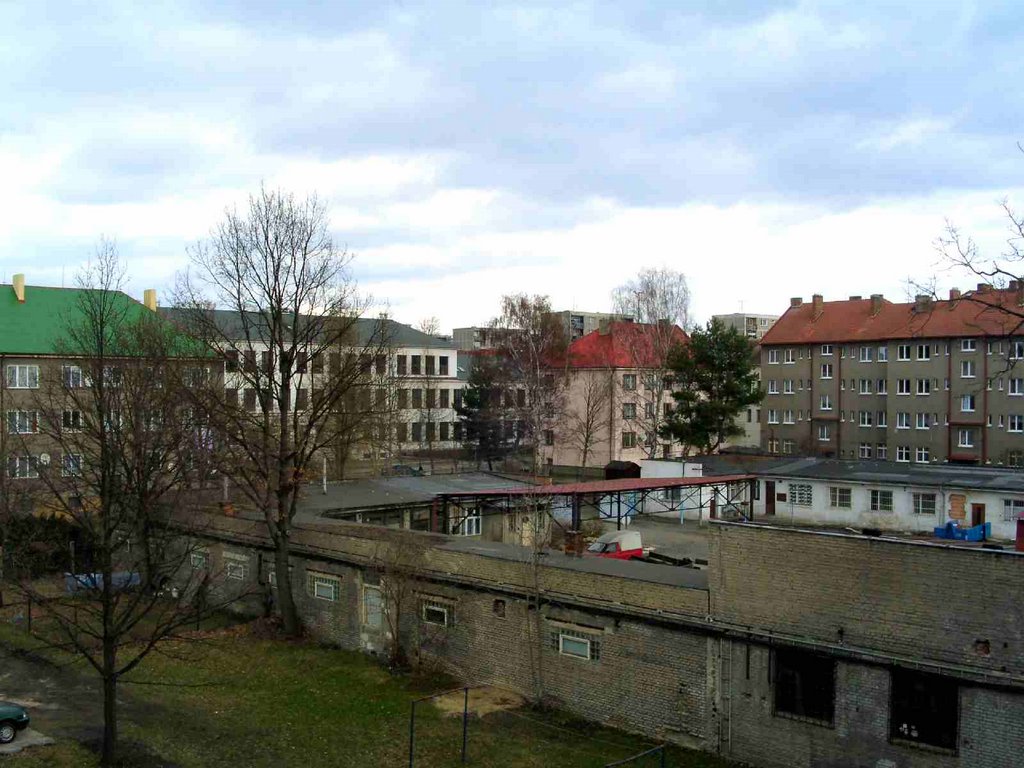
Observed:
{"x":28,"y":600}
{"x":465,"y":720}
{"x":412,"y":734}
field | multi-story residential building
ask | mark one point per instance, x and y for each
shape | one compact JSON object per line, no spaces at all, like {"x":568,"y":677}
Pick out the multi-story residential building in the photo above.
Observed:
{"x":575,"y":324}
{"x":578,"y":324}
{"x":618,"y":395}
{"x":751,"y":326}
{"x":925,"y":381}
{"x":43,"y":371}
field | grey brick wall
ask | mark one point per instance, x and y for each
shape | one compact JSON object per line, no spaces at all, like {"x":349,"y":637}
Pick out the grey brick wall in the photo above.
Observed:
{"x":989,"y":728}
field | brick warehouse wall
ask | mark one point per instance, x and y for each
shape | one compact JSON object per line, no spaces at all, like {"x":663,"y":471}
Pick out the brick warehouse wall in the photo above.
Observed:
{"x":650,"y":677}
{"x":989,"y":721}
{"x":899,"y":604}
{"x":680,"y":665}
{"x":918,"y":600}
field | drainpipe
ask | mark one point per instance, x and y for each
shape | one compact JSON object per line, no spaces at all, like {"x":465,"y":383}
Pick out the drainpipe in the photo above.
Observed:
{"x":984,"y":410}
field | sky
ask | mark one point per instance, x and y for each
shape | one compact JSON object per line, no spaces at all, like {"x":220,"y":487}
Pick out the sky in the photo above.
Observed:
{"x":466,"y":150}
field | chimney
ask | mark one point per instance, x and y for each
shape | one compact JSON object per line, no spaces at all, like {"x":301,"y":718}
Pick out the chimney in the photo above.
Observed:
{"x":1014,"y":285}
{"x":818,"y":301}
{"x":604,"y":326}
{"x":149,"y":299}
{"x":18,"y":284}
{"x":984,"y":287}
{"x":954,"y":294}
{"x":876,"y":303}
{"x":796,"y":302}
{"x":922,"y":303}
{"x":855,"y":298}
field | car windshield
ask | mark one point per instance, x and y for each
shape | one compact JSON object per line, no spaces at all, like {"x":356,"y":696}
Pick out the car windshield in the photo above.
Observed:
{"x":597,"y":546}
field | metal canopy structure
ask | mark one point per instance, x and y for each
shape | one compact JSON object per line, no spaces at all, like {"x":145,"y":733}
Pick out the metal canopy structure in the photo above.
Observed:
{"x":626,"y":496}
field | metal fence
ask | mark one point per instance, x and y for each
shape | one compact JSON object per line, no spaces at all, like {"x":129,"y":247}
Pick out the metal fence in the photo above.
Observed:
{"x":650,"y":758}
{"x":465,"y":721}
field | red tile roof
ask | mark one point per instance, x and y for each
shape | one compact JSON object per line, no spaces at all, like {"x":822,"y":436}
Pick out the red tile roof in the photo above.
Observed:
{"x":976,"y":313}
{"x":625,"y":345}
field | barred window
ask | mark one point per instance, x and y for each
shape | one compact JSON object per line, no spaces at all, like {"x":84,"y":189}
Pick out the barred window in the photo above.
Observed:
{"x":800,"y":494}
{"x":580,"y":645}
{"x":881,"y":501}
{"x":924,"y":709}
{"x":323,"y":586}
{"x":1013,"y":509}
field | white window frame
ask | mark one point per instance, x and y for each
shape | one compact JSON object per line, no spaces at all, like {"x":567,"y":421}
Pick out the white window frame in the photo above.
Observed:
{"x":825,"y":403}
{"x":835,"y":497}
{"x":787,"y":387}
{"x":926,"y":385}
{"x":1015,"y":388}
{"x":773,"y":416}
{"x":773,"y":387}
{"x":882,"y":387}
{"x":881,"y":500}
{"x":71,"y":465}
{"x":922,"y":421}
{"x":827,"y":350}
{"x":865,"y":418}
{"x":1014,"y":422}
{"x":365,"y":610}
{"x":429,"y":610}
{"x":25,"y":466}
{"x":919,"y":505}
{"x":199,"y":559}
{"x":882,"y":451}
{"x":883,"y":354}
{"x":789,"y":357}
{"x":903,"y":352}
{"x":901,"y":389}
{"x":966,"y":400}
{"x":968,"y":345}
{"x":21,"y":376}
{"x":1013,"y":509}
{"x":72,"y":376}
{"x":236,"y":570}
{"x":922,"y":455}
{"x":22,"y":422}
{"x":924,"y":352}
{"x":864,"y":387}
{"x":965,"y":438}
{"x":902,"y":420}
{"x":903,"y":454}
{"x":826,"y":371}
{"x":773,"y":357}
{"x":864,"y":451}
{"x":824,"y":434}
{"x":317,"y":581}
{"x":968,"y":369}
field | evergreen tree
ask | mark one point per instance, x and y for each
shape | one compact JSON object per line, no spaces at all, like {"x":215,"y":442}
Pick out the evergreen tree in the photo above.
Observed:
{"x":714,"y":380}
{"x":487,"y":430}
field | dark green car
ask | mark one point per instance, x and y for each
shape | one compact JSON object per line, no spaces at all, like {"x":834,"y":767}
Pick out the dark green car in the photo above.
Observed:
{"x":13,"y":718}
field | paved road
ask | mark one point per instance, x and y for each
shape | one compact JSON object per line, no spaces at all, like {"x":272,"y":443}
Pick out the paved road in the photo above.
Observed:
{"x":61,"y":702}
{"x":671,"y":538}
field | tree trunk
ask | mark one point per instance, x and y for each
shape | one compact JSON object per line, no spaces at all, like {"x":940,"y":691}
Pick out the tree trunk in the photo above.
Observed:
{"x":109,"y":752}
{"x":285,"y":597}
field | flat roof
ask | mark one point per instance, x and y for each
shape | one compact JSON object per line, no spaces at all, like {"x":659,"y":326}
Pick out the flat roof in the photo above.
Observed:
{"x":374,"y":492}
{"x":893,"y":473}
{"x":672,"y":575}
{"x":605,"y":486}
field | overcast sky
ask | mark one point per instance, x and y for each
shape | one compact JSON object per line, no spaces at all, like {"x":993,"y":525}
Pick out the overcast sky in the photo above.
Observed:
{"x":767,"y":151}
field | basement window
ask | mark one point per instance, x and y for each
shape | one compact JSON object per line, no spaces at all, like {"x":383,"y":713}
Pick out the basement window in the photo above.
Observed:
{"x":804,"y":686}
{"x":433,"y":612}
{"x":924,"y":709}
{"x":324,"y":587}
{"x":579,"y":645}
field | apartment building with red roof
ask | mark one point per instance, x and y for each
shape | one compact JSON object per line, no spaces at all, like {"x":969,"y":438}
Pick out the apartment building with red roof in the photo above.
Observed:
{"x":917,"y":382}
{"x":618,"y":394}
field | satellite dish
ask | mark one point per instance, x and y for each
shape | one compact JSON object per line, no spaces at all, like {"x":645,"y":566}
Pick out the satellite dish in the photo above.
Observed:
{"x":44,"y":459}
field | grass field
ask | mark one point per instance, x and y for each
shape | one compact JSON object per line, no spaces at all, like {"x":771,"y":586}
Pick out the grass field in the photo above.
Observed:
{"x":238,"y":700}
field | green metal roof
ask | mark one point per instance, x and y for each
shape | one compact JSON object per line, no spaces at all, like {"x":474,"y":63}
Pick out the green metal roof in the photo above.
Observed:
{"x":37,"y":326}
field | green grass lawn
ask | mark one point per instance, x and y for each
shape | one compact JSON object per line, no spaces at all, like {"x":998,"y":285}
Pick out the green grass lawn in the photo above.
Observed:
{"x":240,"y":700}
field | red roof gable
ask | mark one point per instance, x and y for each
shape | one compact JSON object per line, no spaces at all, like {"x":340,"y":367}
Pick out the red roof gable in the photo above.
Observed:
{"x":625,"y":345}
{"x":976,"y":313}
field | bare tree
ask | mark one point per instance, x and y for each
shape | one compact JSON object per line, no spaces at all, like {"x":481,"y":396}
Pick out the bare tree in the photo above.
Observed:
{"x":398,"y":565}
{"x":658,"y":298}
{"x":289,"y":304}
{"x":430,"y":407}
{"x":122,"y":451}
{"x":587,"y":416}
{"x":533,"y":347}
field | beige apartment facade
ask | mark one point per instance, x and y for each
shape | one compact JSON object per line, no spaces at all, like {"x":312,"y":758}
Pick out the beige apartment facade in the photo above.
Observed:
{"x":922,"y":382}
